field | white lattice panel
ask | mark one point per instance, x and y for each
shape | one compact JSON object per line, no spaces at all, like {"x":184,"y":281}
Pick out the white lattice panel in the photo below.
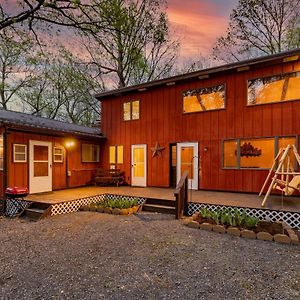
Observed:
{"x":73,"y":206}
{"x":15,"y":206}
{"x":121,"y":197}
{"x":291,"y":218}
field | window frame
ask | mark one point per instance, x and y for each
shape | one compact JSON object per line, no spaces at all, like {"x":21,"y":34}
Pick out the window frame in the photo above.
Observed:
{"x":264,"y":77}
{"x":238,"y":150}
{"x":14,"y":153}
{"x":116,"y":155}
{"x":98,"y":153}
{"x":62,"y":154}
{"x":206,"y":87}
{"x":130,"y":113}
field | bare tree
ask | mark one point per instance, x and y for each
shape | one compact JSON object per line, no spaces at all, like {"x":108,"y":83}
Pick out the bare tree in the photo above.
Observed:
{"x":63,"y":88}
{"x":134,"y":45}
{"x":16,"y":63}
{"x":259,"y":27}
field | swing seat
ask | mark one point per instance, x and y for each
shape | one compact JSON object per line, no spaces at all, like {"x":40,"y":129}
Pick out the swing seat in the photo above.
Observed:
{"x":292,"y":186}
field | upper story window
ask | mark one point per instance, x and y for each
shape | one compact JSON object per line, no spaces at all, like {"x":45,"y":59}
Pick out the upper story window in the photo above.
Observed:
{"x":204,"y":99}
{"x":278,"y":88}
{"x":131,"y":110}
{"x":90,"y":153}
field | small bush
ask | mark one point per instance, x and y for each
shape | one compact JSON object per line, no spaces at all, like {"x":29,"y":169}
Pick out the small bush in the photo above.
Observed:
{"x":118,"y":203}
{"x":230,"y":217}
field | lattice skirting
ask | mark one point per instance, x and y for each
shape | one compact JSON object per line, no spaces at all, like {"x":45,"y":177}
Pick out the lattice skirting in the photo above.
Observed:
{"x":74,"y":205}
{"x":291,"y":218}
{"x":15,"y":206}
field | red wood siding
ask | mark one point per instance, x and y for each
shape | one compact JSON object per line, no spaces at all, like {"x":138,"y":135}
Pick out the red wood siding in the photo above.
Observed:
{"x":162,"y":121}
{"x":81,"y":173}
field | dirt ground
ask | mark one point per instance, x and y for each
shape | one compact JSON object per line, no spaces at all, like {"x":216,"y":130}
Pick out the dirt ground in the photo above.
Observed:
{"x":89,"y":255}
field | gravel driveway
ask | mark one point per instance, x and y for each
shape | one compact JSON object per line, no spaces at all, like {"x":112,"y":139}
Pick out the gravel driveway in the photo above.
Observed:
{"x":97,"y":256}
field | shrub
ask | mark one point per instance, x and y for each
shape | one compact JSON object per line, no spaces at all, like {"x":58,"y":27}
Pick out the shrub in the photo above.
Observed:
{"x":227,"y":216}
{"x":118,"y":203}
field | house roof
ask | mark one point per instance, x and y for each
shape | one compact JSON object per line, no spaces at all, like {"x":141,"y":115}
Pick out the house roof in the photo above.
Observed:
{"x":206,"y":73}
{"x":22,"y":121}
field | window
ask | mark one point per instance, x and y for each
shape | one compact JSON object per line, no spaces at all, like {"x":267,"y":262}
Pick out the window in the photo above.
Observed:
{"x":257,"y":153}
{"x":254,"y":153}
{"x":131,"y":110}
{"x":204,"y":99}
{"x":279,"y":88}
{"x":116,"y":154}
{"x":20,"y":153}
{"x":58,"y":154}
{"x":90,"y":153}
{"x":1,"y":152}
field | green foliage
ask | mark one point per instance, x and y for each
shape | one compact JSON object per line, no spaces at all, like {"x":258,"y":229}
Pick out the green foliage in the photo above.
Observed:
{"x":251,"y":222}
{"x":259,"y":27}
{"x":118,"y":203}
{"x":230,"y":217}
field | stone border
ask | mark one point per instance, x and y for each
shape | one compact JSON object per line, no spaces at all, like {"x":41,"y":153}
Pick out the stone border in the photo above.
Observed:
{"x":290,"y":238}
{"x":114,"y":211}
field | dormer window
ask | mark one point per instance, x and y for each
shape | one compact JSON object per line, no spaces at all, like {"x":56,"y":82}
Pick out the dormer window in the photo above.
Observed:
{"x":131,"y":110}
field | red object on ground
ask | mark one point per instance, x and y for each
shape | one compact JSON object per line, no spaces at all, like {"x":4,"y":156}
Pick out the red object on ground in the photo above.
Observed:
{"x":16,"y":192}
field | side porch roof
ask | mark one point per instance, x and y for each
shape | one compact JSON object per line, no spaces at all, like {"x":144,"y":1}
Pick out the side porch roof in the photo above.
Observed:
{"x":31,"y":123}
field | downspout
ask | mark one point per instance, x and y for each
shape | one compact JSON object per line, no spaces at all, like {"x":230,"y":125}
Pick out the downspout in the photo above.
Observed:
{"x":5,"y":166}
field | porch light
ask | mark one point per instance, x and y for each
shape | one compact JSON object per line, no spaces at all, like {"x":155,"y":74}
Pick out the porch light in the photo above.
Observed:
{"x":70,"y":144}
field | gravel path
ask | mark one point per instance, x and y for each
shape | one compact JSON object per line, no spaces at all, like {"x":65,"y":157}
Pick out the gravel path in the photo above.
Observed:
{"x":97,"y":256}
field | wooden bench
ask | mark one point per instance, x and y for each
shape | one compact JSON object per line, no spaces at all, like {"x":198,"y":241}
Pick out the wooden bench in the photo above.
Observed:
{"x":109,"y":177}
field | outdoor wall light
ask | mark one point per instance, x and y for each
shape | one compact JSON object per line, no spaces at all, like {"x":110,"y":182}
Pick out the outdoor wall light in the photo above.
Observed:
{"x":70,"y":144}
{"x":205,"y":149}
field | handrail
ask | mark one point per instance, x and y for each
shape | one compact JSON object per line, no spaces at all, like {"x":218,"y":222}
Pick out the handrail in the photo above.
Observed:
{"x":181,"y":196}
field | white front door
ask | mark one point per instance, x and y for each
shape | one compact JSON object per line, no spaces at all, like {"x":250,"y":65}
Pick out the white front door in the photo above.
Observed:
{"x":40,"y":167}
{"x":139,"y":165}
{"x":187,"y":159}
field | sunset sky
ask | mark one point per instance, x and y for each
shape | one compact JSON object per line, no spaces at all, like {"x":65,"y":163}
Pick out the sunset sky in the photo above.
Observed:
{"x":198,"y":23}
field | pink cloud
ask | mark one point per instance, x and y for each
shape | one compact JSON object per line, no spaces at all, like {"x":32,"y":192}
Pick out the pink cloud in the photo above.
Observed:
{"x":198,"y":24}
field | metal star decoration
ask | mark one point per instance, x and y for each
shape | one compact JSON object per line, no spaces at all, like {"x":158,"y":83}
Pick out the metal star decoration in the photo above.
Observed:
{"x":157,"y":150}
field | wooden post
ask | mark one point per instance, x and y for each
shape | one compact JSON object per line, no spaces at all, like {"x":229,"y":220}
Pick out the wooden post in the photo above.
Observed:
{"x":281,"y":162}
{"x":270,"y":172}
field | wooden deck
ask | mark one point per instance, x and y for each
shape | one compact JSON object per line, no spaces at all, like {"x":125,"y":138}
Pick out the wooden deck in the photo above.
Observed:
{"x":207,"y":197}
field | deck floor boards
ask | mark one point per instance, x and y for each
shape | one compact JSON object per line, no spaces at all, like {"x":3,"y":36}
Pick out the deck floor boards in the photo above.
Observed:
{"x":208,"y":197}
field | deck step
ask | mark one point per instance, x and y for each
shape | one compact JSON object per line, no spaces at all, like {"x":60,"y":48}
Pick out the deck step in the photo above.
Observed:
{"x":159,"y":208}
{"x":163,"y":202}
{"x":36,"y":211}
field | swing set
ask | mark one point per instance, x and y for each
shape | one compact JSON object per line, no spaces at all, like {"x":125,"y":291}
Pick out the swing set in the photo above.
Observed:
{"x":285,"y":178}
